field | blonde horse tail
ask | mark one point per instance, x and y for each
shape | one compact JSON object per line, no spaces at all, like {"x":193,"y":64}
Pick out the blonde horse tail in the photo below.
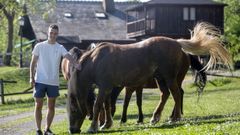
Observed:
{"x":206,"y":40}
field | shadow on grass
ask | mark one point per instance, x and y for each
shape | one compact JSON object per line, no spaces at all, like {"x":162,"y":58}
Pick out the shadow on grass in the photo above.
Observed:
{"x":131,"y":116}
{"x":198,"y":120}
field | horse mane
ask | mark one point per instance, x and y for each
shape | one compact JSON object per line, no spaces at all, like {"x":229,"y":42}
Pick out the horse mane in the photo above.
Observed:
{"x":88,"y":53}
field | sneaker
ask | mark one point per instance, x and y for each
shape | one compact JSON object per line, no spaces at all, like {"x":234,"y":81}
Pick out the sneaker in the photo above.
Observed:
{"x":48,"y":132}
{"x":39,"y":132}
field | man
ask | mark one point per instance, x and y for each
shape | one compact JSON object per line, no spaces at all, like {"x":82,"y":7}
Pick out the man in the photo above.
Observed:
{"x":46,"y":58}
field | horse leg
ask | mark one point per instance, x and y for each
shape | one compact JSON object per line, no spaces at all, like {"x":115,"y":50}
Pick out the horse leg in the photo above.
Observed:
{"x":102,"y":116}
{"x":177,"y":99}
{"x":90,"y":103}
{"x":164,"y":96}
{"x":180,"y":77}
{"x":114,"y":95}
{"x":182,"y":93}
{"x":127,"y":98}
{"x":139,"y":104}
{"x":108,"y":116}
{"x":96,"y":110}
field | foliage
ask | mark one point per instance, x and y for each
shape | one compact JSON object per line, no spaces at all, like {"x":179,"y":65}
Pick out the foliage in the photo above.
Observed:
{"x":231,"y":27}
{"x":10,"y":11}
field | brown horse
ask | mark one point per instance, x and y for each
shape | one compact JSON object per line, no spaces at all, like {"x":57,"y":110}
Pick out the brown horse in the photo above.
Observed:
{"x":151,"y":83}
{"x":110,"y":65}
{"x":66,"y":71}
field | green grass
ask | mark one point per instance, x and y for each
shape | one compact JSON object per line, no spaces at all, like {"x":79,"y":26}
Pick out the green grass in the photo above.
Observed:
{"x":24,"y":103}
{"x":216,"y":113}
{"x":20,"y":75}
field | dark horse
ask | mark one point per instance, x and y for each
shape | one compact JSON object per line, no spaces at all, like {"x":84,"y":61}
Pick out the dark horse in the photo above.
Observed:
{"x":110,"y":65}
{"x":67,"y":69}
{"x":151,"y":83}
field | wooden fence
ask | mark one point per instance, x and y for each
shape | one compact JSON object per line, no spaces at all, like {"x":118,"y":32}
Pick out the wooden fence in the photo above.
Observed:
{"x":26,"y":91}
{"x":63,"y":86}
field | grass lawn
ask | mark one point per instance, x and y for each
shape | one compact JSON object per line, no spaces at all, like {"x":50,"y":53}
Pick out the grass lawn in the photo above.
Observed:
{"x":217,"y":112}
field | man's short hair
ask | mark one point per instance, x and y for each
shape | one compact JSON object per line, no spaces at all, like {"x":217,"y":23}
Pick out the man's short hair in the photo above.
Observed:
{"x":53,"y":26}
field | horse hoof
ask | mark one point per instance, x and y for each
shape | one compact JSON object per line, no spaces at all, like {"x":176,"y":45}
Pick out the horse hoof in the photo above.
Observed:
{"x":92,"y":130}
{"x":106,"y":126}
{"x":123,"y":121}
{"x":140,"y":122}
{"x":74,"y":131}
{"x":153,"y":121}
{"x":173,"y":120}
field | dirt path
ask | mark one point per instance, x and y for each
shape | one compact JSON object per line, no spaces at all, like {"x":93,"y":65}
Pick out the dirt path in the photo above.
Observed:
{"x":23,"y":123}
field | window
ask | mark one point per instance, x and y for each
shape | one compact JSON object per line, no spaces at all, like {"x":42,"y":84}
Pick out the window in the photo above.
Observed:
{"x":189,"y":13}
{"x":68,"y":15}
{"x":100,"y":15}
{"x":185,"y":13}
{"x":192,"y":13}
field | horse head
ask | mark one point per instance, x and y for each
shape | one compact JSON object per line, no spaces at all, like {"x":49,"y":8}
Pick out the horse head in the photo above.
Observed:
{"x":78,"y":93}
{"x":76,"y":53}
{"x":76,"y":102}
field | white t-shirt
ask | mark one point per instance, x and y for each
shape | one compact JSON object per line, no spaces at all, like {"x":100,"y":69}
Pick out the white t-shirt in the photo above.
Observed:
{"x":49,"y":57}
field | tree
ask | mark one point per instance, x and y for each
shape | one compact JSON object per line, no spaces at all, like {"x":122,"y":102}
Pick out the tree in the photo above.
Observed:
{"x":8,"y":10}
{"x":232,"y":29}
{"x":12,"y":9}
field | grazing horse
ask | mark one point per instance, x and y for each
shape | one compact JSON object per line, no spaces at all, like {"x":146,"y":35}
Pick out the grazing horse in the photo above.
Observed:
{"x":151,"y":83}
{"x":66,"y":71}
{"x":110,"y":65}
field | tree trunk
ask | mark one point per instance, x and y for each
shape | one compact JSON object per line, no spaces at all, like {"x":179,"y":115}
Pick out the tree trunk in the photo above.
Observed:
{"x":8,"y":55}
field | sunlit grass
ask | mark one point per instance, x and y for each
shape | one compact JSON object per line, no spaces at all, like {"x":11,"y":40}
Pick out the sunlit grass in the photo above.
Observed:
{"x":216,"y":112}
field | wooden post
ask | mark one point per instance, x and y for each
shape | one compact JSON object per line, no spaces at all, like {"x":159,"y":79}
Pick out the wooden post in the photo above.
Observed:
{"x":2,"y":91}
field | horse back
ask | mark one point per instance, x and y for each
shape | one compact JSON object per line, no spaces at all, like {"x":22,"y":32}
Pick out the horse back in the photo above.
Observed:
{"x":133,"y":64}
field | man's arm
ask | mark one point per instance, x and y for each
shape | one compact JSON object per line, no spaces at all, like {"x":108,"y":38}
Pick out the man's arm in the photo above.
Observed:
{"x":72,"y":61}
{"x":32,"y":69}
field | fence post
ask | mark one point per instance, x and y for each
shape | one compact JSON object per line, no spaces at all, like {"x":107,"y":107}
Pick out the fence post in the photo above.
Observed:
{"x":2,"y":91}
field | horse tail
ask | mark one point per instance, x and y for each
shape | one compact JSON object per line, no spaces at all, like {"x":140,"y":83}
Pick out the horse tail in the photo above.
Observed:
{"x":196,"y":65}
{"x":205,"y":39}
{"x":200,"y":76}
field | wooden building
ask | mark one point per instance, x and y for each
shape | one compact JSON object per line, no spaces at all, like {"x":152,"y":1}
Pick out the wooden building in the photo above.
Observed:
{"x":82,"y":21}
{"x":172,"y":18}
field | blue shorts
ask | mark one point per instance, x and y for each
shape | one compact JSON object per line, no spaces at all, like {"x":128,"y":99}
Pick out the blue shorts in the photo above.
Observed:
{"x":42,"y":89}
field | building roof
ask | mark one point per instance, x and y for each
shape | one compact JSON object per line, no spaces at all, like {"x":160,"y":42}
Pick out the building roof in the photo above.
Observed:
{"x":185,"y":2}
{"x":78,"y":19}
{"x":177,"y":2}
